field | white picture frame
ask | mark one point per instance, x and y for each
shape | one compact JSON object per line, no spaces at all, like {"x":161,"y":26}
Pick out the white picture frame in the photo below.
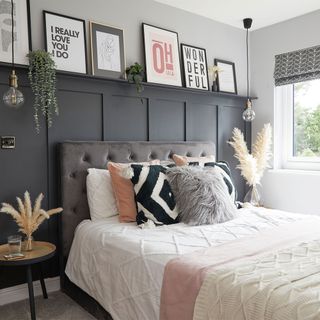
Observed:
{"x":22,"y":39}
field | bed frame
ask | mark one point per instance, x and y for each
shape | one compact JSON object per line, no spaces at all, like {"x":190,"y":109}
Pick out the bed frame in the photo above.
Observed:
{"x":75,"y":158}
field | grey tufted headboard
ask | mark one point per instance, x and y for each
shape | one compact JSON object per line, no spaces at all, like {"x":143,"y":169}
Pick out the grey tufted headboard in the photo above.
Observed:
{"x":77,"y":157}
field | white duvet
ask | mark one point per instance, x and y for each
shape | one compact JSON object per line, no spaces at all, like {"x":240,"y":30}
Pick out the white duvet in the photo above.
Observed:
{"x":122,"y":266}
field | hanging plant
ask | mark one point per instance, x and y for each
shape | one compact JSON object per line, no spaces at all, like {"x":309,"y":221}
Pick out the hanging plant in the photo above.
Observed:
{"x":42,"y":77}
{"x":135,"y":74}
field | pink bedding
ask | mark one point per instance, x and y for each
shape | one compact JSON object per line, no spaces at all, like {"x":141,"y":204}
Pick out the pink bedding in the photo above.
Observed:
{"x":183,"y":276}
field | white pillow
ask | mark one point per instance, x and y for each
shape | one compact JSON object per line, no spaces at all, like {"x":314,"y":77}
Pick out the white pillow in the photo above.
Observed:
{"x":101,"y":200}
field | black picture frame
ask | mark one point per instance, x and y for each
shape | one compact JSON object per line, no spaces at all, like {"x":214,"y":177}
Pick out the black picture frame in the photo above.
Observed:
{"x":103,"y":65}
{"x":193,"y":66}
{"x":223,"y":80}
{"x":79,"y":58}
{"x":20,"y":52}
{"x":147,"y":57}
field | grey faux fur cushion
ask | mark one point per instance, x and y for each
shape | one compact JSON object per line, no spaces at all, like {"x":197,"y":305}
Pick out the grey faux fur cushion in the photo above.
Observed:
{"x":201,"y":195}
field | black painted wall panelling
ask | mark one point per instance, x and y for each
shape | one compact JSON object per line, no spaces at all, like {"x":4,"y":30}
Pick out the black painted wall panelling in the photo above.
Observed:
{"x":102,"y":109}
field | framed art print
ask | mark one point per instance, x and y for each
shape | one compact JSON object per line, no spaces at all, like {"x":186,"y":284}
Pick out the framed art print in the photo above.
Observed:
{"x":161,"y":55}
{"x":107,"y":50}
{"x":226,"y":79}
{"x":22,"y":42}
{"x":195,"y":67}
{"x":65,"y":39}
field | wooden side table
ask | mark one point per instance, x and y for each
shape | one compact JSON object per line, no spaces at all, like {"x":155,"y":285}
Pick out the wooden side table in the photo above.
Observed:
{"x":41,"y":251}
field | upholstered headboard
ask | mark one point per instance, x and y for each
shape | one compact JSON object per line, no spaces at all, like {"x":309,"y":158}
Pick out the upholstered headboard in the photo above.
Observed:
{"x":77,"y":157}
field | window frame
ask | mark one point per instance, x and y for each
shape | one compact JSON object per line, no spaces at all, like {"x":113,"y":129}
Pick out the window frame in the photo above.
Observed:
{"x":284,"y":103}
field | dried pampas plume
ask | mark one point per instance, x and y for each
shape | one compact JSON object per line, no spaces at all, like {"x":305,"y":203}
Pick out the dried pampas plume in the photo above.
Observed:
{"x":27,"y":219}
{"x":253,"y":165}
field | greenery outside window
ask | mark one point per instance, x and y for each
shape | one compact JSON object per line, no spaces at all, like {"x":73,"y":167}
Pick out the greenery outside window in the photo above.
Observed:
{"x":298,"y":106}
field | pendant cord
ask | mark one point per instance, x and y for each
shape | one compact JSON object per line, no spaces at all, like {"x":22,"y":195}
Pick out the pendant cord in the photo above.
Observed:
{"x":12,"y":32}
{"x":247,"y":45}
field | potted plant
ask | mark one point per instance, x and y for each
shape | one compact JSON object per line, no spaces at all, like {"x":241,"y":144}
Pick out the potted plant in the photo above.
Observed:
{"x":135,"y":74}
{"x":42,"y":77}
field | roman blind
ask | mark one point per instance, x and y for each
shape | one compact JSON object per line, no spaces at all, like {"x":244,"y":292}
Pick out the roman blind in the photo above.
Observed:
{"x":297,"y":66}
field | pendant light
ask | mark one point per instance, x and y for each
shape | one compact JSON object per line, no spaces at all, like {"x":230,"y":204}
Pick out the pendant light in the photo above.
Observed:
{"x":248,"y":114}
{"x":13,"y":98}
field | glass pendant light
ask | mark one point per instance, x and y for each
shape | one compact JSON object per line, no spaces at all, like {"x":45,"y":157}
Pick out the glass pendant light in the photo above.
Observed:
{"x":13,"y":98}
{"x":248,"y":114}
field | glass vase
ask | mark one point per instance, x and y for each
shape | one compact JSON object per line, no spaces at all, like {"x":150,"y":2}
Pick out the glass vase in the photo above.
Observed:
{"x":253,"y":196}
{"x":28,"y":245}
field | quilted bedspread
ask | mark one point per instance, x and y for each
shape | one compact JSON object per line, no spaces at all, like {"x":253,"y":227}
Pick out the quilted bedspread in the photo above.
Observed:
{"x":122,"y":266}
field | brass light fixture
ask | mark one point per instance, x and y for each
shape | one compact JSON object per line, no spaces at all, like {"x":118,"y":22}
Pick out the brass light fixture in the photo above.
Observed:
{"x":13,"y":98}
{"x":248,"y":114}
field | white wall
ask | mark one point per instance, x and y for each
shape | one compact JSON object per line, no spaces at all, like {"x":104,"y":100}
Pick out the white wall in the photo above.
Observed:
{"x":220,"y":40}
{"x":286,"y":190}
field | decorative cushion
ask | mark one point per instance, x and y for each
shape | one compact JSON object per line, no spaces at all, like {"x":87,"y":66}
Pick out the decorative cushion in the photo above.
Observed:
{"x":207,"y":161}
{"x":184,"y":160}
{"x":123,"y":191}
{"x":153,"y":194}
{"x":101,"y":200}
{"x":201,"y":195}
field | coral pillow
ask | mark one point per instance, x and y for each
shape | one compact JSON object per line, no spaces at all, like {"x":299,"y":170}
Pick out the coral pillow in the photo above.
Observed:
{"x":184,"y":160}
{"x":123,"y":190}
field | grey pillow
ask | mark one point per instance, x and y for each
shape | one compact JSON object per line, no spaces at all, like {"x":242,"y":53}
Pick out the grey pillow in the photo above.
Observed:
{"x":201,"y":195}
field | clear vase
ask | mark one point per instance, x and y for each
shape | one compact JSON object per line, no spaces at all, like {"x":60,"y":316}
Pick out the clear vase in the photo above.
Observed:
{"x":253,"y":196}
{"x":29,"y":243}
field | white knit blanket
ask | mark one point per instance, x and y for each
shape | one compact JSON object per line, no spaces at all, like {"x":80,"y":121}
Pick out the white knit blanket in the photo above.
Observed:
{"x":282,"y":285}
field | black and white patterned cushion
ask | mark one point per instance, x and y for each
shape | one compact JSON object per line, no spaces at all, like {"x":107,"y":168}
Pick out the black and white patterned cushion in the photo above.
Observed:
{"x":154,"y":197}
{"x":225,"y":171}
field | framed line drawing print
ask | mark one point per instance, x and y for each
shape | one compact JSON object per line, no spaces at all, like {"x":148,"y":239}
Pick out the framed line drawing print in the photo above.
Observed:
{"x":195,"y":68}
{"x":162,"y":60}
{"x":226,"y":79}
{"x":107,"y":50}
{"x":22,"y":42}
{"x":65,"y":38}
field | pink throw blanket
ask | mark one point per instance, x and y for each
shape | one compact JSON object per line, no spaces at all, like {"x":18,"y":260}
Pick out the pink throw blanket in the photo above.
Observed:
{"x":183,"y":276}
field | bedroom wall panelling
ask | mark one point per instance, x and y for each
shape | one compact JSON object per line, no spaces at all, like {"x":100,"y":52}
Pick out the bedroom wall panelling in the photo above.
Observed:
{"x":102,"y":109}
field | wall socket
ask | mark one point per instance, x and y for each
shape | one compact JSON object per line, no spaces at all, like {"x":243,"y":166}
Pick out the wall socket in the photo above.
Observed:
{"x":8,"y":142}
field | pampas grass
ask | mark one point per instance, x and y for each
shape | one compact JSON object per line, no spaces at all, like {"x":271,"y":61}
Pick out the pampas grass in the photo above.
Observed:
{"x":27,"y":219}
{"x":252,"y":166}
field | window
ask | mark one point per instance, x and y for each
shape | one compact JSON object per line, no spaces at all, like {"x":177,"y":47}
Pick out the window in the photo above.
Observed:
{"x":299,"y":125}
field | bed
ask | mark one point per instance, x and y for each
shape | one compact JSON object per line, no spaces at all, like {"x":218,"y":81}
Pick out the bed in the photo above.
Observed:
{"x":119,"y":270}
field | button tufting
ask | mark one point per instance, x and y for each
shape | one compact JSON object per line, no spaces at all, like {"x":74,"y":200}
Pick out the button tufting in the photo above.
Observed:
{"x":72,"y":175}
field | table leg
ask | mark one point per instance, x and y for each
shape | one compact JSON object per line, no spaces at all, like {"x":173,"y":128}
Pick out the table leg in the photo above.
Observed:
{"x":43,"y":285}
{"x":31,"y":295}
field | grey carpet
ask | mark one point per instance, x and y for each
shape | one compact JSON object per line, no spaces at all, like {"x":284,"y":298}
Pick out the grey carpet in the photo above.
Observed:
{"x":57,"y":307}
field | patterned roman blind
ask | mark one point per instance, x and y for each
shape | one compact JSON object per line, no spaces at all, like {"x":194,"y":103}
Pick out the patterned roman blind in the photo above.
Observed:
{"x":297,"y":66}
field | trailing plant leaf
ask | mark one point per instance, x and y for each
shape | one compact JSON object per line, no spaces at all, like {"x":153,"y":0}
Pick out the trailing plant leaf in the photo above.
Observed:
{"x":42,"y":77}
{"x":135,"y":74}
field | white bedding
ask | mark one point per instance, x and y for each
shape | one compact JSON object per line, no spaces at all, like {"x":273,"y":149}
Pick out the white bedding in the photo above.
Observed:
{"x":121,"y":265}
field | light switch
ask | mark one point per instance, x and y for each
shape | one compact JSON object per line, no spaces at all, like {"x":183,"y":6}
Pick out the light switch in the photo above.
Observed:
{"x":8,"y":142}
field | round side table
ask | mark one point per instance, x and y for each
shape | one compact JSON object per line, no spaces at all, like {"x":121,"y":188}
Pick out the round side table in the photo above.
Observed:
{"x":41,"y":252}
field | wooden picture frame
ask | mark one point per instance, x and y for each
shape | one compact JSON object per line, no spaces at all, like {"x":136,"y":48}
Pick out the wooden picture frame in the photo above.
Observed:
{"x":107,"y":50}
{"x":226,"y":79}
{"x":22,"y":32}
{"x":65,"y":38}
{"x":195,"y":67}
{"x":162,"y":58}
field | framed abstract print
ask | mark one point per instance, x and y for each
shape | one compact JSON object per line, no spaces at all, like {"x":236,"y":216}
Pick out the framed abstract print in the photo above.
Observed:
{"x":162,"y":60}
{"x":195,"y":68}
{"x":65,"y":38}
{"x":22,"y":38}
{"x":226,"y":79}
{"x":107,"y":50}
